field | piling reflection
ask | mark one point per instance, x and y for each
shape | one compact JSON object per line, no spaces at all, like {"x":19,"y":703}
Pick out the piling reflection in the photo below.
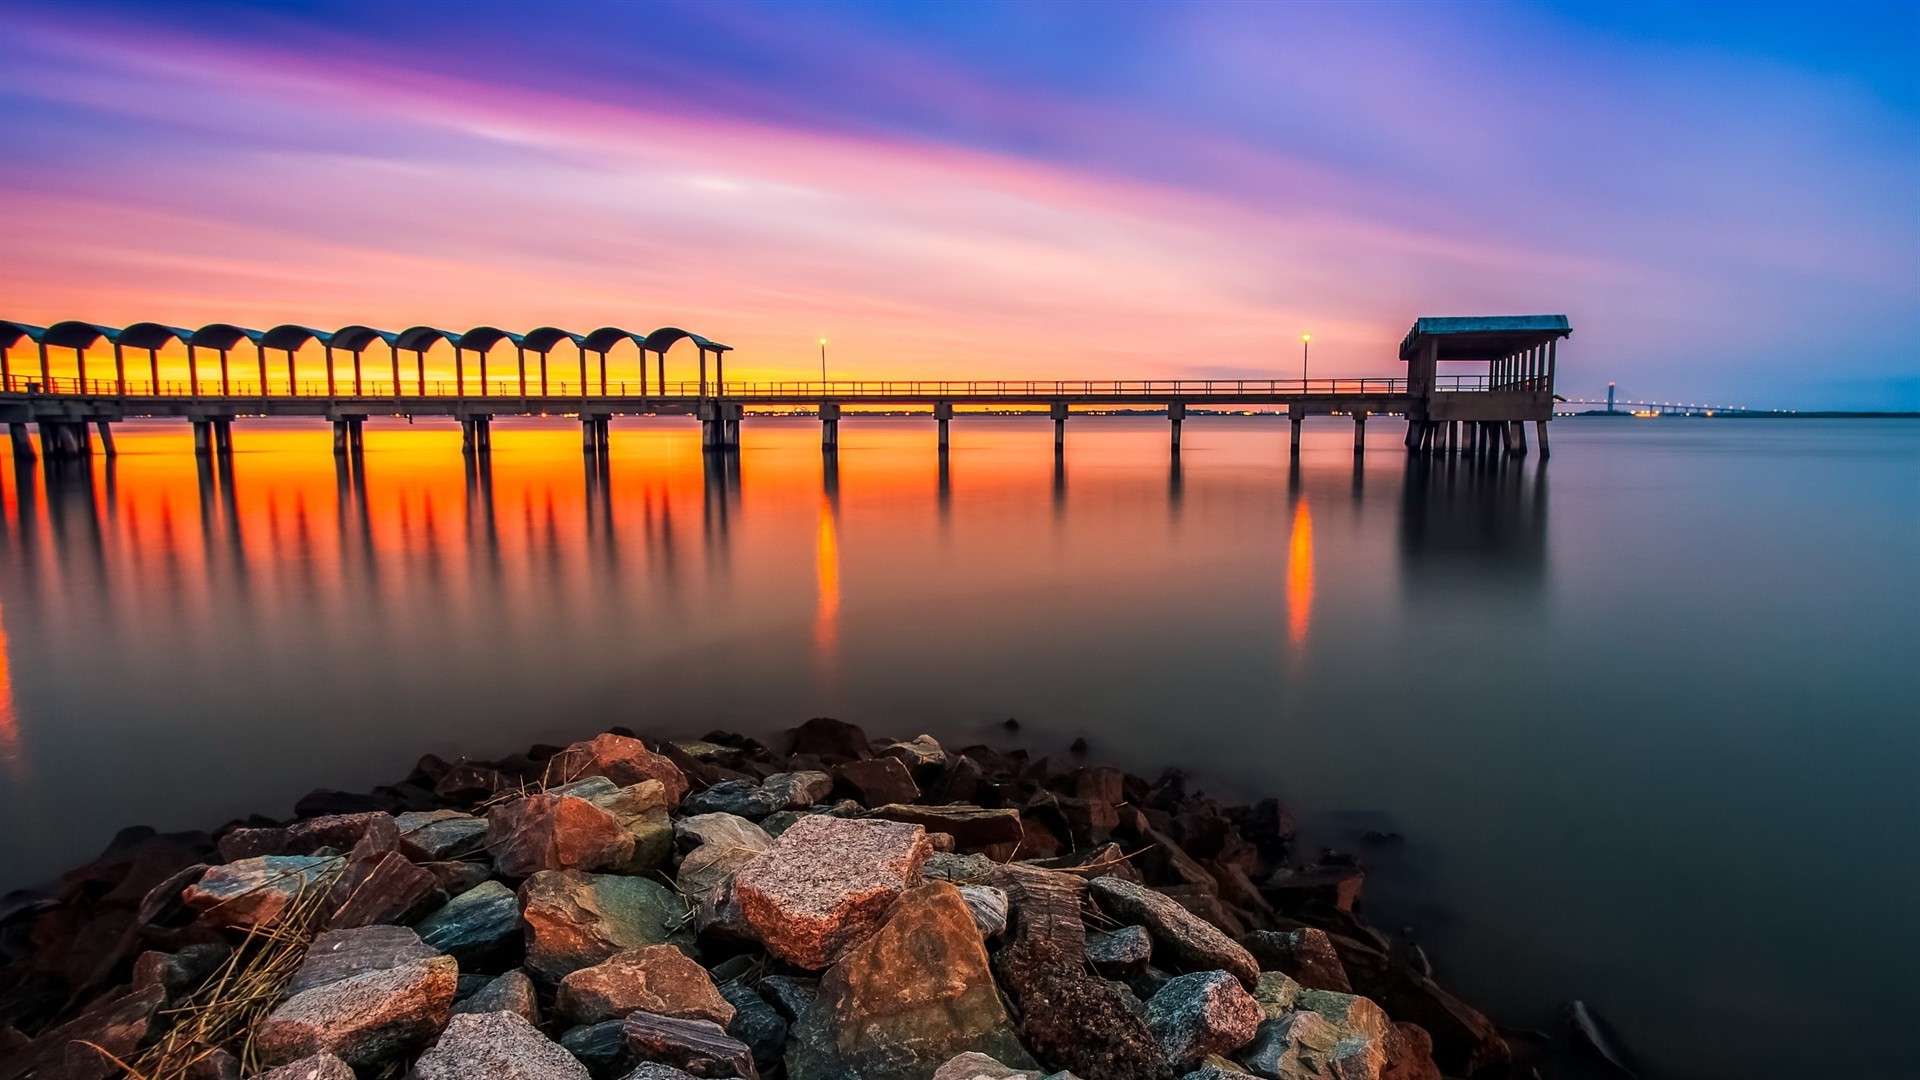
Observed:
{"x":1468,"y":523}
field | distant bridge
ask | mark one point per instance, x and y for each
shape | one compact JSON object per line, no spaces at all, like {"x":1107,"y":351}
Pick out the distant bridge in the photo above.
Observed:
{"x":1477,"y":411}
{"x":1667,"y":408}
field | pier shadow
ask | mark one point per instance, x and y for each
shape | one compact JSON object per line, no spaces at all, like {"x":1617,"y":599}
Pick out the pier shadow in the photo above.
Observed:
{"x":1471,"y":525}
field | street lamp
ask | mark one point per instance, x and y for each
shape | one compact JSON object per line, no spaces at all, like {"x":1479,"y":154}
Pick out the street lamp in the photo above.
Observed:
{"x":823,"y":361}
{"x":1305,"y":339}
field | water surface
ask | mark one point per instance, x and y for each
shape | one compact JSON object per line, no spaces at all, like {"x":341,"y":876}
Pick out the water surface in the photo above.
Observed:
{"x":1645,"y":715}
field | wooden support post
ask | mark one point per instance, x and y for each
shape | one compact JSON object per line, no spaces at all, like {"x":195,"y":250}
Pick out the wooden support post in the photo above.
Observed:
{"x":1360,"y":431}
{"x":459,"y":372}
{"x":106,"y":438}
{"x":339,"y":435}
{"x":22,"y":442}
{"x":393,"y":355}
{"x":293,"y":381}
{"x":226,"y":386}
{"x":1295,"y":420}
{"x":483,"y":370}
{"x":46,"y":373}
{"x":603,"y":372}
{"x":80,"y":367}
{"x":356,"y":439}
{"x":1176,"y":416}
{"x":260,"y":358}
{"x":1540,"y":429}
{"x":703,"y":372}
{"x":582,"y":350}
{"x":829,"y":425}
{"x":420,"y":370}
{"x":356,"y":373}
{"x":590,"y":431}
{"x":202,"y":438}
{"x":223,"y":438}
{"x":193,"y":372}
{"x":1058,"y":410}
{"x":943,"y":416}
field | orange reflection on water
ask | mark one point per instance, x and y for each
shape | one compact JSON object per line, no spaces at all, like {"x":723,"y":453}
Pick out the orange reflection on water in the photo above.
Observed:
{"x":826,"y":625}
{"x":9,"y":723}
{"x":1300,"y":574}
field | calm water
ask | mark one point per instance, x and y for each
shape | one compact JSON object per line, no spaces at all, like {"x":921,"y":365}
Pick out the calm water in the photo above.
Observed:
{"x":1646,"y":716}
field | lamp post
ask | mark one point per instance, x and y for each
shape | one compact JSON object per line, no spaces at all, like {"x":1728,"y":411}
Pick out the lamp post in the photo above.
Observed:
{"x":1305,"y":340}
{"x":823,"y":362}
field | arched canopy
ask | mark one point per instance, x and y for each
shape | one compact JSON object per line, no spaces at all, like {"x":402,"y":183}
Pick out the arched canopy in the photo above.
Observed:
{"x":356,"y":338}
{"x":663,"y":339}
{"x":420,"y":338}
{"x":151,"y":335}
{"x":289,"y":336}
{"x":608,"y":336}
{"x":223,"y":336}
{"x":545,"y":338}
{"x":482,"y":338}
{"x":11,"y":332}
{"x":75,"y":335}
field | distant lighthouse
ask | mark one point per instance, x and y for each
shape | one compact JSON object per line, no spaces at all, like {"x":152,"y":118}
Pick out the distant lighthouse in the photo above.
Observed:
{"x":1609,"y":397}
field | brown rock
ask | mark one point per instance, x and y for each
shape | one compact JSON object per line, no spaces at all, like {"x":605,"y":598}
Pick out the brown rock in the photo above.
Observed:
{"x":342,"y":954}
{"x":592,"y":827}
{"x":879,"y":781}
{"x":972,"y":827}
{"x":620,"y":759}
{"x":700,"y":1047}
{"x":1076,"y":1021}
{"x":1305,"y":954}
{"x":117,"y":1025}
{"x":1177,"y":933}
{"x":905,"y":1000}
{"x":828,"y":738}
{"x":379,"y":889}
{"x":253,"y":892}
{"x":575,"y":920}
{"x":365,"y":1019}
{"x":658,"y":979}
{"x":827,"y":883}
{"x":1337,"y":885}
{"x":317,"y":1067}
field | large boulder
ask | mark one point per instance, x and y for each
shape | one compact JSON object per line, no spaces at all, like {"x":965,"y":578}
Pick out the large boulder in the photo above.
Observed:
{"x":972,"y":827}
{"x":1305,"y":953}
{"x":621,"y":759}
{"x":1206,"y":1012}
{"x":253,"y":892}
{"x":575,"y":920}
{"x":658,"y":979}
{"x":586,"y":825}
{"x":341,"y":954}
{"x":826,"y":884}
{"x":496,"y":1046}
{"x":880,"y":781}
{"x":726,"y":842}
{"x":481,"y":923}
{"x":1178,"y":934}
{"x":435,"y":835}
{"x":1073,"y":1019}
{"x":366,"y":1019}
{"x":700,"y":1047}
{"x":900,"y":1003}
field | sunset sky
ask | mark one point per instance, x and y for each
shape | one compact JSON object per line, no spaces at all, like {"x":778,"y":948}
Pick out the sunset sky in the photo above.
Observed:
{"x":1724,"y":199}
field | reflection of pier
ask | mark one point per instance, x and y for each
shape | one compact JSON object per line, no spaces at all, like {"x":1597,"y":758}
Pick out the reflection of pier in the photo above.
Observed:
{"x":1471,"y":523}
{"x":1508,"y":380}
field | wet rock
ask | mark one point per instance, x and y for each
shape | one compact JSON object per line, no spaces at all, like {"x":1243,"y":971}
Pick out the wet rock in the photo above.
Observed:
{"x":797,"y":790}
{"x":253,"y":892}
{"x":906,"y":999}
{"x":756,"y":1023}
{"x":341,"y":954}
{"x":989,"y":908}
{"x":438,"y":835}
{"x":381,"y":888}
{"x":480,"y":924}
{"x":1121,"y":954}
{"x":790,"y":994}
{"x":1178,"y":935}
{"x":366,"y":1018}
{"x":828,"y":738}
{"x":317,"y":1067}
{"x":1206,"y":1012}
{"x":1305,"y":954}
{"x":736,"y":798}
{"x":827,"y":883}
{"x":575,"y":920}
{"x":117,"y":1024}
{"x":1070,"y":1018}
{"x":972,"y":827}
{"x":620,"y":759}
{"x":455,"y":878}
{"x":497,"y":1046}
{"x":657,"y":979}
{"x":700,"y":1047}
{"x":918,"y":753}
{"x":626,"y":830}
{"x":602,"y":1046}
{"x":512,"y":992}
{"x":880,"y":781}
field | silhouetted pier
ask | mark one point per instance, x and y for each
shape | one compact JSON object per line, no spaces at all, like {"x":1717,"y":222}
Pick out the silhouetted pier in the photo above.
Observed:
{"x":1507,"y":380}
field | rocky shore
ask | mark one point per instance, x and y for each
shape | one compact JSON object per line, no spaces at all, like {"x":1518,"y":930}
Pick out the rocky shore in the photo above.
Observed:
{"x":830,"y":907}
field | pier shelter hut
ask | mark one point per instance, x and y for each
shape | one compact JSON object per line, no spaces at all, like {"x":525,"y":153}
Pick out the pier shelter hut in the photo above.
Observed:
{"x":418,"y":339}
{"x":78,"y":336}
{"x":543,"y":342}
{"x":290,"y":338}
{"x":1515,"y":357}
{"x":220,"y":337}
{"x":153,"y":337}
{"x":667,"y":336}
{"x":481,"y":339}
{"x":358,"y":339}
{"x":11,"y":334}
{"x":604,"y":339}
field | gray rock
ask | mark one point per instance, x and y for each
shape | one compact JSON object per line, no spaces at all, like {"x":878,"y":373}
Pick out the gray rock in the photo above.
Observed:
{"x":740,"y":798}
{"x":1122,"y":953}
{"x":790,"y":994}
{"x":317,"y":1067}
{"x":989,"y":907}
{"x":973,"y":1065}
{"x":653,"y":1070}
{"x":1178,"y":934}
{"x":732,"y":829}
{"x":960,"y":869}
{"x":756,"y":1023}
{"x":366,"y":1019}
{"x":342,"y":954}
{"x":1306,"y":954}
{"x":797,"y":790}
{"x":779,"y":821}
{"x":1295,"y":1046}
{"x":919,"y":752}
{"x":512,"y":992}
{"x":700,"y":1047}
{"x":1207,"y":1012}
{"x":435,"y":835}
{"x":726,"y":843}
{"x":479,"y":923}
{"x":496,"y":1046}
{"x":602,"y":1046}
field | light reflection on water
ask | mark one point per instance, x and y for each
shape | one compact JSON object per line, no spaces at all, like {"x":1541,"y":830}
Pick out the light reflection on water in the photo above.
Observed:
{"x":1576,"y":707}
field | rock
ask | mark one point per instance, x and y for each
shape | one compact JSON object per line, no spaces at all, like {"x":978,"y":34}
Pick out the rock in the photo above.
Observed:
{"x":827,"y":883}
{"x":653,"y":1070}
{"x":340,"y":832}
{"x":960,"y":869}
{"x":575,"y":920}
{"x":989,"y":908}
{"x":438,"y":835}
{"x":366,"y":1019}
{"x":1305,"y":954}
{"x":469,"y":782}
{"x":905,"y":999}
{"x":977,"y":1066}
{"x":879,"y":780}
{"x":779,"y":821}
{"x":658,"y":979}
{"x":728,"y":842}
{"x":826,"y":737}
{"x":455,"y":878}
{"x":919,"y":752}
{"x":381,"y":888}
{"x":797,"y":790}
{"x":790,"y":995}
{"x":737,"y":798}
{"x":1296,"y":1046}
{"x":1277,"y":993}
{"x":1073,"y":1019}
{"x":341,"y":954}
{"x":253,"y":892}
{"x":756,"y":1023}
{"x":1216,"y":1068}
{"x":1046,"y":903}
{"x":1177,"y":934}
{"x":117,"y":1024}
{"x":178,"y":973}
{"x":626,"y":830}
{"x":1409,"y":1054}
{"x":1337,"y":885}
{"x":972,"y":827}
{"x":480,"y":924}
{"x":497,"y":1046}
{"x":1120,"y":954}
{"x":728,"y":830}
{"x":1206,"y":1012}
{"x":1464,"y":1040}
{"x":317,"y":1067}
{"x":602,"y":1046}
{"x":512,"y":992}
{"x":620,"y":759}
{"x":1349,"y":1013}
{"x":700,"y":1047}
